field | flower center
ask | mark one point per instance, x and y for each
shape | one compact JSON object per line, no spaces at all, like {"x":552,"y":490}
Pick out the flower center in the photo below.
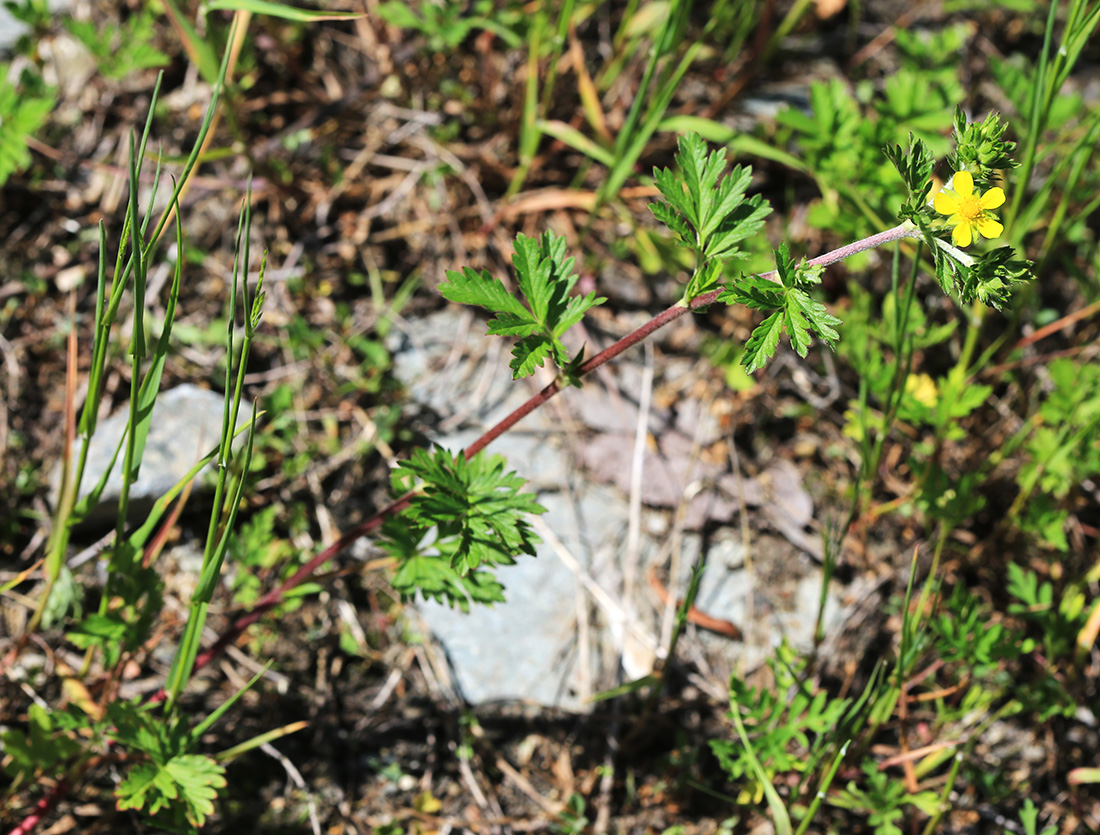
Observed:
{"x":970,"y":208}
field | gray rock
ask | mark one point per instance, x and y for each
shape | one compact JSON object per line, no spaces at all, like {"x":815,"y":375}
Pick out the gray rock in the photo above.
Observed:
{"x":186,"y":425}
{"x":569,"y":628}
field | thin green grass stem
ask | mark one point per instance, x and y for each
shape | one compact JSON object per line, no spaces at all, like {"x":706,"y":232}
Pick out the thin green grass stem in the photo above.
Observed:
{"x":945,"y":794}
{"x":823,"y":787}
{"x":224,"y":513}
{"x":529,"y":133}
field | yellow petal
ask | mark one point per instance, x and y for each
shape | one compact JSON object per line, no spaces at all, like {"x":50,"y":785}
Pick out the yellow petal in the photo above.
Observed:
{"x":989,"y":227}
{"x":963,"y":184}
{"x":945,"y":204}
{"x":992,"y":199}
{"x":961,"y":234}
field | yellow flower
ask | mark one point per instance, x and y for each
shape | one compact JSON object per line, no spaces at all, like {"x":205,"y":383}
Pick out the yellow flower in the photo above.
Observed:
{"x":969,"y":211}
{"x":923,"y":389}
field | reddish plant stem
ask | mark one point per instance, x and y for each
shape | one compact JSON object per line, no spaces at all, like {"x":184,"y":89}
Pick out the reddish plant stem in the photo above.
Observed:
{"x":275,"y":596}
{"x":42,"y":808}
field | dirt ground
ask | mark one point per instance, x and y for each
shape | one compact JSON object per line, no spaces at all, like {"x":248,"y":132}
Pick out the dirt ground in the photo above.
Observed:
{"x":374,"y":160}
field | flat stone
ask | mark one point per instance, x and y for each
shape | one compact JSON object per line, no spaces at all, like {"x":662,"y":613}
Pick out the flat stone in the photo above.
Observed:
{"x":186,"y":425}
{"x":584,"y":612}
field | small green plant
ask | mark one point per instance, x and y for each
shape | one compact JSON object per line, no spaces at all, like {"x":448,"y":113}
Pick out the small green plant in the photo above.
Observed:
{"x":545,"y":278}
{"x":446,"y":23}
{"x":1058,"y":623}
{"x":883,"y":798}
{"x":457,"y":516}
{"x":120,"y":49}
{"x":257,"y":553}
{"x":1061,"y":451}
{"x":464,"y":517}
{"x":184,"y":785}
{"x":784,"y":721}
{"x":1029,"y":817}
{"x":24,"y":108}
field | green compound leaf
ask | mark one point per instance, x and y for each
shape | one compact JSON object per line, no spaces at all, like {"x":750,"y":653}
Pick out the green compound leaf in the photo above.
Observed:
{"x":464,"y":517}
{"x":707,"y":210}
{"x":990,"y":277}
{"x":24,"y":108}
{"x":46,"y":744}
{"x":186,"y":786}
{"x":546,"y":278}
{"x":762,"y":344}
{"x":915,"y":167}
{"x":481,"y":289}
{"x":795,"y":310}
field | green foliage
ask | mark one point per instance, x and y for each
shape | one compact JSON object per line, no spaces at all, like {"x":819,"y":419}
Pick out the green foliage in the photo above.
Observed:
{"x":571,"y":820}
{"x":34,"y":13}
{"x":883,"y":797}
{"x":24,"y":108}
{"x":123,"y":629}
{"x":949,"y":499}
{"x":185,"y":785}
{"x":706,"y":209}
{"x":447,"y":23}
{"x":841,"y":144}
{"x":934,"y":54}
{"x":545,"y":277}
{"x":171,"y":780}
{"x":1057,"y":622}
{"x":120,"y":49}
{"x":981,"y":149}
{"x":43,"y":749}
{"x":878,"y":340}
{"x":465,"y":516}
{"x":989,"y":277}
{"x":1029,"y":817}
{"x":795,"y":311}
{"x":915,"y":167}
{"x":1063,"y":450}
{"x":258,"y":553}
{"x":964,"y":632}
{"x":779,"y":722}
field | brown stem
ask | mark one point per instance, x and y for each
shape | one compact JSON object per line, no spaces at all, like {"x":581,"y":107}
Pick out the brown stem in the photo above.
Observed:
{"x":275,"y":596}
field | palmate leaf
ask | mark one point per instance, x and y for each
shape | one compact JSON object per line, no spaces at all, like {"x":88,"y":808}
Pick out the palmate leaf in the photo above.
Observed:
{"x":186,"y":786}
{"x":465,"y":515}
{"x":433,"y":578}
{"x":546,"y":278}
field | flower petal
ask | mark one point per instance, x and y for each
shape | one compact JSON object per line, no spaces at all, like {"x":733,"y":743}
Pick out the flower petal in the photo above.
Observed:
{"x":989,"y":227}
{"x":945,"y":203}
{"x":992,"y":199}
{"x":961,"y":234}
{"x":963,"y":184}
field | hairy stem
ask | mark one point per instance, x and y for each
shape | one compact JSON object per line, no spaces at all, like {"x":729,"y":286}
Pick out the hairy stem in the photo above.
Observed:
{"x":275,"y":596}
